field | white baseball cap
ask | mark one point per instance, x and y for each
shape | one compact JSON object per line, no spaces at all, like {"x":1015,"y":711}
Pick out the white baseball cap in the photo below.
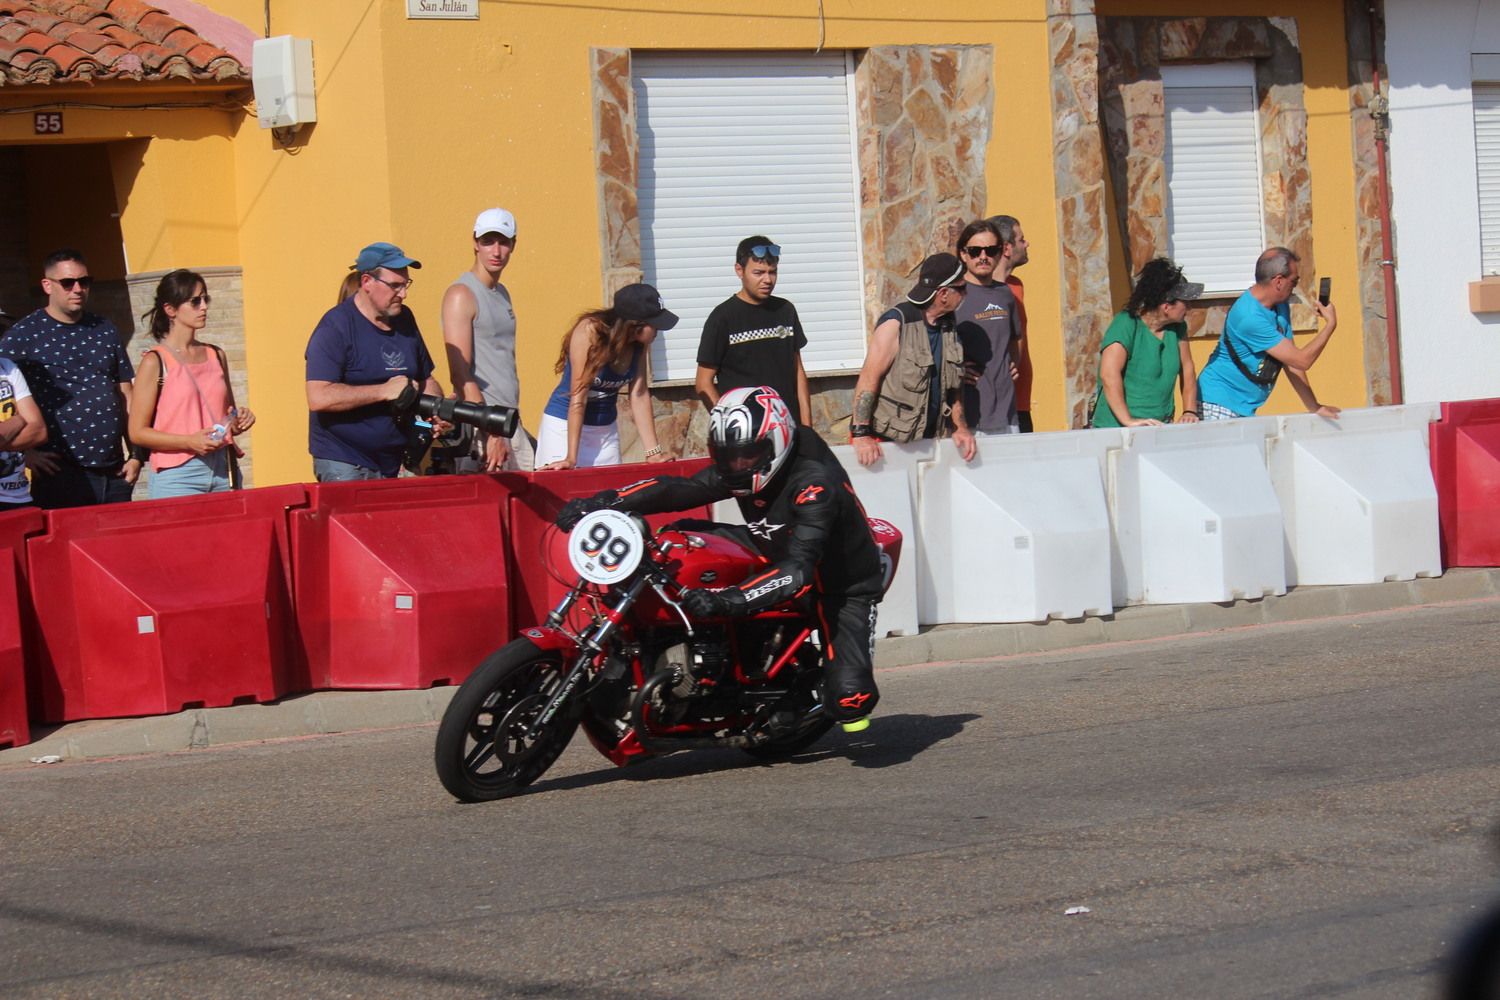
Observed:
{"x":495,"y":220}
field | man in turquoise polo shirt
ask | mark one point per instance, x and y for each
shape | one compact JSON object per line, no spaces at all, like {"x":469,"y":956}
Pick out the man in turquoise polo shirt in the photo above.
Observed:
{"x":1257,"y":344}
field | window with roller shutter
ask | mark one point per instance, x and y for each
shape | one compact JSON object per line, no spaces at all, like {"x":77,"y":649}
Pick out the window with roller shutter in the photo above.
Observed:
{"x":738,"y":144}
{"x":1215,"y":226}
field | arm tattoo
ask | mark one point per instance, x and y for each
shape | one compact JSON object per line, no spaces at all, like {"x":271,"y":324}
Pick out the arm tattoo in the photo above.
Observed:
{"x":864,"y":407}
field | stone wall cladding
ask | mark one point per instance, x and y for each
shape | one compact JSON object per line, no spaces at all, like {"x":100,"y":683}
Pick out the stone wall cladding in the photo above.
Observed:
{"x":1367,"y":198}
{"x":924,"y":115}
{"x":226,"y":329}
{"x":1078,"y":164}
{"x":1132,"y":51}
{"x":617,"y":168}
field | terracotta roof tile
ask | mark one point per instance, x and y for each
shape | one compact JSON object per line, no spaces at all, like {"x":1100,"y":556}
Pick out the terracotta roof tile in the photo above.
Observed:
{"x":88,"y":41}
{"x":60,"y":41}
{"x":128,"y":12}
{"x":155,"y":26}
{"x":180,"y":39}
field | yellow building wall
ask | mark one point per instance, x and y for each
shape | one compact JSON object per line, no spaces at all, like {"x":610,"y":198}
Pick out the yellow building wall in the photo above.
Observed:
{"x":304,"y":212}
{"x":169,"y":174}
{"x":1339,"y":375}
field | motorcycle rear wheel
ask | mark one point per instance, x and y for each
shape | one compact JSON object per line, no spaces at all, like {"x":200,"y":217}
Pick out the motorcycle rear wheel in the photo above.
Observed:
{"x":482,"y":751}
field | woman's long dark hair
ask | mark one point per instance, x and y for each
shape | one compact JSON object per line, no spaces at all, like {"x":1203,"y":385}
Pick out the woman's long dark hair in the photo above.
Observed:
{"x":612,"y":336}
{"x":173,"y":290}
{"x":1153,"y":286}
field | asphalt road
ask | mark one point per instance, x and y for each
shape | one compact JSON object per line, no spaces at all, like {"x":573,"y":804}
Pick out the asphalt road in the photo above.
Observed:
{"x":1279,"y":811}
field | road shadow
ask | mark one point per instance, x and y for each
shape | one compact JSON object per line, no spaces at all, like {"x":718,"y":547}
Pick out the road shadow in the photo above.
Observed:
{"x":891,"y":740}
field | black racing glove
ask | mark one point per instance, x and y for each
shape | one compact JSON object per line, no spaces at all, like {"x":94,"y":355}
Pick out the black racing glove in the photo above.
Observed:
{"x":705,"y":603}
{"x":575,"y":510}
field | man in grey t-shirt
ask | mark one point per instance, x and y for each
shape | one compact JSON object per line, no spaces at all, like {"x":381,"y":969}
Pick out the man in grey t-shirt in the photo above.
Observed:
{"x":988,"y":328}
{"x":479,"y":328}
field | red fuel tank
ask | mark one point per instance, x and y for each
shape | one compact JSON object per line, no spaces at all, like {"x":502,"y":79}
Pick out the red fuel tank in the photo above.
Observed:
{"x":704,"y":559}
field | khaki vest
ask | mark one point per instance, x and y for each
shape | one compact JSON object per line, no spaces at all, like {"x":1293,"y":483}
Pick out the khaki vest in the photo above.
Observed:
{"x":901,"y":406}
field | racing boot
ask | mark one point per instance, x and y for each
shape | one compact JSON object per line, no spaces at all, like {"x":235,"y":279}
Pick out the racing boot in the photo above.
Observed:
{"x":849,"y":695}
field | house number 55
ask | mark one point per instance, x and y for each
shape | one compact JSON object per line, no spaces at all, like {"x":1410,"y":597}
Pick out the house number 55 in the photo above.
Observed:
{"x":47,"y":123}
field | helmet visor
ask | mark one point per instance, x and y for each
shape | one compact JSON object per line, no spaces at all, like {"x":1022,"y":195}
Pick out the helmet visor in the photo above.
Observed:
{"x":740,"y":461}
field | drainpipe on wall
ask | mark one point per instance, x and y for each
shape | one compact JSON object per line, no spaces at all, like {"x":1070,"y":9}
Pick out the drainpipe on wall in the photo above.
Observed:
{"x":1381,"y":115}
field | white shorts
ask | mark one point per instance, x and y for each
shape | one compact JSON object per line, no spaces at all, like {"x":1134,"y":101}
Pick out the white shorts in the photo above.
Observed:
{"x":596,"y":445}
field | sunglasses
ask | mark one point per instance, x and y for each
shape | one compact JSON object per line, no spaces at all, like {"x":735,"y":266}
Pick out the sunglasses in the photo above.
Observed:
{"x":67,"y":283}
{"x":765,"y":250}
{"x":198,"y":301}
{"x":982,"y":251}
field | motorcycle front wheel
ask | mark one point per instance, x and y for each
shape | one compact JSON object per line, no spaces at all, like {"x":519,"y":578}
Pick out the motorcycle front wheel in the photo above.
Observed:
{"x":485,"y":749}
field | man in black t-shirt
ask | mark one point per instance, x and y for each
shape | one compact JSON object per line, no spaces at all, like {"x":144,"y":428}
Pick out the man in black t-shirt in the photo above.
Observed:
{"x":754,"y":338}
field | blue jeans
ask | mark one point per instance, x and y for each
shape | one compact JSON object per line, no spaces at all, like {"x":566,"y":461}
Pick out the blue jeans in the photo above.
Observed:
{"x":327,"y":470}
{"x":199,"y":474}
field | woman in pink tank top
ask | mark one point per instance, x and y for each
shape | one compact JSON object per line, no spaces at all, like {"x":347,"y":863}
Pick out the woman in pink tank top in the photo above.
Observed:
{"x":182,"y":408}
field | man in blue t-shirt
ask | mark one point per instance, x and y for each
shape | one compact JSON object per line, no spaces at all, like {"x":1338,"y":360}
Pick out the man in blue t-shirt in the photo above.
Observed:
{"x":1257,"y":344}
{"x":361,"y":356}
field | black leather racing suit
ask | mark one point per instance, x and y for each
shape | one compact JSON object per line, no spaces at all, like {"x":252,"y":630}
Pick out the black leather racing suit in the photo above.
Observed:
{"x":809,"y":524}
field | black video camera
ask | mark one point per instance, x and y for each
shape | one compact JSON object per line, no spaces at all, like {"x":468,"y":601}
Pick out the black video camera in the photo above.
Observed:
{"x":416,"y":410}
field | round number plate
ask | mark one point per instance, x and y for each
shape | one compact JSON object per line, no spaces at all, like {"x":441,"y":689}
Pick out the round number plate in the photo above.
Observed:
{"x":606,"y":547}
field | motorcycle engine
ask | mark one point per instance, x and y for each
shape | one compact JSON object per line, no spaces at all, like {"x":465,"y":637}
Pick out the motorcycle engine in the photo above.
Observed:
{"x":696,"y":665}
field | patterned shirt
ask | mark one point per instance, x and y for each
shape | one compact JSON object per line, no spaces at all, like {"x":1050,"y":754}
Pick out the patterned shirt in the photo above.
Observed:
{"x":74,"y":371}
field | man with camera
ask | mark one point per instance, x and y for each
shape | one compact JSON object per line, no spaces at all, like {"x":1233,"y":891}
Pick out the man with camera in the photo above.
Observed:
{"x":363,"y":355}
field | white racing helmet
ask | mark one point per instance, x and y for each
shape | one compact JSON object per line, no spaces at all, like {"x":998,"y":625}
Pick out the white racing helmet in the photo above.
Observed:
{"x":750,"y":436}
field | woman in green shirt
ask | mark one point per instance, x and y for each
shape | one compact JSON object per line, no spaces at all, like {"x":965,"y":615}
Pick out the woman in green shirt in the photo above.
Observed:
{"x":1145,"y":351}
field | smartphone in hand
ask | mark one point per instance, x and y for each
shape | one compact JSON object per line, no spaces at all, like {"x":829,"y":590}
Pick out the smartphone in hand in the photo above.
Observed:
{"x":1323,"y":287}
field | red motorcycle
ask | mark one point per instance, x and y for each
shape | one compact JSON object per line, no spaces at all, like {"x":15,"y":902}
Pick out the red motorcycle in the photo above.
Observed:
{"x":622,"y":658}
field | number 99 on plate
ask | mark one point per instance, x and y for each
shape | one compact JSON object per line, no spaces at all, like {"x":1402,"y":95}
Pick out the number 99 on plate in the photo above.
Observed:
{"x":606,"y":547}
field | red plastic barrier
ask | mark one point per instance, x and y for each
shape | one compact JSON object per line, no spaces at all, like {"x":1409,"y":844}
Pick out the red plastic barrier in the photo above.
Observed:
{"x":148,"y":608}
{"x":535,"y":591}
{"x":15,"y":527}
{"x":1465,"y":452}
{"x":402,"y":583}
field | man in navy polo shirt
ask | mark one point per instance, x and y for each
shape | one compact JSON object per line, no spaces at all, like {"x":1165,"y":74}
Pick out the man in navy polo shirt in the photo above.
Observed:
{"x":361,"y":356}
{"x":76,"y":366}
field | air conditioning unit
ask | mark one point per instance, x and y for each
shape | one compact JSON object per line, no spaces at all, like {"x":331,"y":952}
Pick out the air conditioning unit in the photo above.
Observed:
{"x":282,"y":73}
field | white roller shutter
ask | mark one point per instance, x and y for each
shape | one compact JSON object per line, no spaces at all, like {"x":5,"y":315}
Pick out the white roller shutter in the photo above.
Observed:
{"x":734,"y":144}
{"x":1487,"y":152}
{"x":1214,"y":223}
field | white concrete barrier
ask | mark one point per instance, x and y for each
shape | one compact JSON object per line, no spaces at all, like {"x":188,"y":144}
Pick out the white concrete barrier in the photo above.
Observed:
{"x":888,"y":490}
{"x":1195,"y":516}
{"x":1021,"y":534}
{"x":1357,"y":495}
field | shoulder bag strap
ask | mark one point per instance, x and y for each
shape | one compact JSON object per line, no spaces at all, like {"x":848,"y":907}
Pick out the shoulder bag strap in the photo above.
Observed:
{"x":1263,"y":381}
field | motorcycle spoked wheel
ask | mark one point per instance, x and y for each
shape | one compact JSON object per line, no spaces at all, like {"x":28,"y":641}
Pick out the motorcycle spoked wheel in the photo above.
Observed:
{"x":482,"y":752}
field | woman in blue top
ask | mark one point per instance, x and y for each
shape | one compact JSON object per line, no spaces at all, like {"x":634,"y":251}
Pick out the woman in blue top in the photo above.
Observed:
{"x":602,"y":354}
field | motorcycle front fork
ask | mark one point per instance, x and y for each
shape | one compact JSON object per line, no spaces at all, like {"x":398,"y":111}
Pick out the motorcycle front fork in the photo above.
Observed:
{"x":590,"y":644}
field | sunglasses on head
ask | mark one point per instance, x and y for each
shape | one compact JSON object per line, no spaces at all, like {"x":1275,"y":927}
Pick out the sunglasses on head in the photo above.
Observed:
{"x":765,"y":250}
{"x":68,"y":283}
{"x":973,"y":251}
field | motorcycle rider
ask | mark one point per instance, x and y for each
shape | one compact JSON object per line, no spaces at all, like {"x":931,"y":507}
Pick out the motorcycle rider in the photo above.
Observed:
{"x":801,"y":514}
